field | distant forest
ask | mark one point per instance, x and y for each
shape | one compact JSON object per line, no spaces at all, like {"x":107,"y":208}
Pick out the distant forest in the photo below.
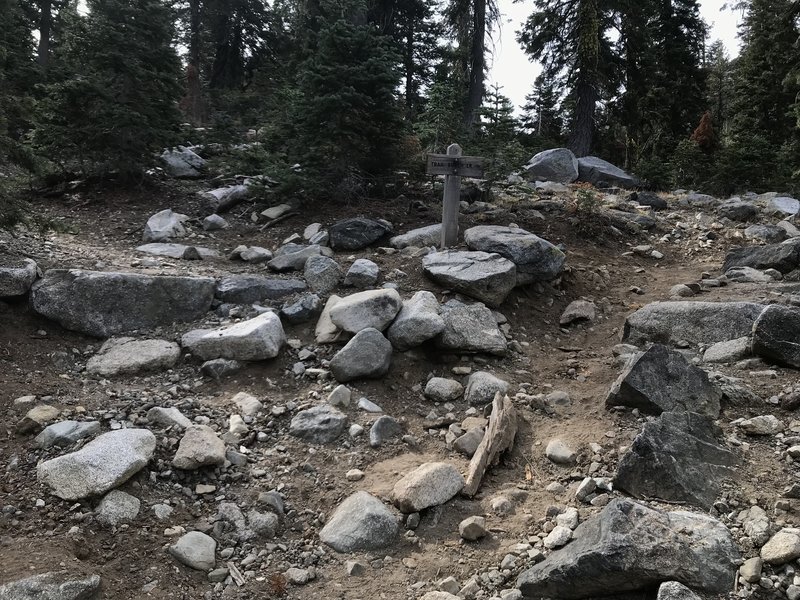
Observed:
{"x":355,"y":91}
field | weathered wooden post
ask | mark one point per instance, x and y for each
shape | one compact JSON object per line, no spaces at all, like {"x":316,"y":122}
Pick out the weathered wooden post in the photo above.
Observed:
{"x":453,"y":166}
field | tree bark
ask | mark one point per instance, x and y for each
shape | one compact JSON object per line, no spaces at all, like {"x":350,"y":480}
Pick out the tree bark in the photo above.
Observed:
{"x":477,"y":64}
{"x":45,"y":25}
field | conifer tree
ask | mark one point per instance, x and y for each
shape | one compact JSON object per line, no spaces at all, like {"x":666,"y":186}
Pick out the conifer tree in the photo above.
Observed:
{"x":117,"y":102}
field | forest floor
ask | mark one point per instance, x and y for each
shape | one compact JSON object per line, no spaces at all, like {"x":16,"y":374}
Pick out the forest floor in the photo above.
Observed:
{"x":100,"y":230}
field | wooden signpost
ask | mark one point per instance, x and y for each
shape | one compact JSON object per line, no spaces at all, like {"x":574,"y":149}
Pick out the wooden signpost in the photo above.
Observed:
{"x":453,"y":166}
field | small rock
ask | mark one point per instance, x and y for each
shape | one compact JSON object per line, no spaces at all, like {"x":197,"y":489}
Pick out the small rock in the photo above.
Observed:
{"x":472,"y":528}
{"x":195,"y":550}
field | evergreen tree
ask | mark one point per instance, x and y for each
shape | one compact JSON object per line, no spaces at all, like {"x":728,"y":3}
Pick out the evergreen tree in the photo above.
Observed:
{"x":541,"y":110}
{"x":347,"y":115}
{"x":440,"y":124}
{"x":117,"y":103}
{"x":498,"y":136}
{"x":719,"y":84}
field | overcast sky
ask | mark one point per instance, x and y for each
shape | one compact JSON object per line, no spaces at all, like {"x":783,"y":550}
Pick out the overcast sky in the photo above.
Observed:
{"x":511,"y":69}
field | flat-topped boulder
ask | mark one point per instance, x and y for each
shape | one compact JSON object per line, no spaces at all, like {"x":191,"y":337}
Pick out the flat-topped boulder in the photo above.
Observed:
{"x":101,"y":465}
{"x":357,"y":233}
{"x":689,"y":321}
{"x":536,"y":259}
{"x":245,"y":289}
{"x":471,"y":329}
{"x":630,"y":547}
{"x":16,"y":276}
{"x":558,"y":165}
{"x":259,"y":338}
{"x":119,"y":356}
{"x":776,"y":333}
{"x":164,"y":225}
{"x":106,"y":303}
{"x":783,"y":257}
{"x":602,"y":173}
{"x":293,"y":257}
{"x":372,"y":308}
{"x":480,"y":275}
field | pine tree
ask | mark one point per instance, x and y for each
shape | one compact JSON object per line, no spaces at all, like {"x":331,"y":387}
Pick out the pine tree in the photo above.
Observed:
{"x":541,"y":110}
{"x":440,"y":124}
{"x":347,"y":115}
{"x":117,"y":104}
{"x":498,"y":136}
{"x":719,"y":84}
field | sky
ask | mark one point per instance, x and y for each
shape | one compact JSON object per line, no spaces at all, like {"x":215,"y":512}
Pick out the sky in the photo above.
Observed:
{"x":511,"y":69}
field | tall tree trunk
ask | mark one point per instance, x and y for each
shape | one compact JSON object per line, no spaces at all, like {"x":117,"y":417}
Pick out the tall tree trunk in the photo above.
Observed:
{"x":193,"y":104}
{"x":586,"y":89}
{"x":409,"y":69}
{"x":580,"y":141}
{"x":45,"y":25}
{"x":477,"y":63}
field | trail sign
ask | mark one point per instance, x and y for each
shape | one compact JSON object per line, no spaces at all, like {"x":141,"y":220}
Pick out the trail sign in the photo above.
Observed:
{"x":462,"y":166}
{"x":454,"y":167}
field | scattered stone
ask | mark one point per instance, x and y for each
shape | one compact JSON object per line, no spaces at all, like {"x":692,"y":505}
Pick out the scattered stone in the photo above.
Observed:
{"x":367,"y":355}
{"x":248,"y":405}
{"x":677,"y":458}
{"x":558,"y":537}
{"x":761,"y":425}
{"x":220,"y":367}
{"x":303,"y":310}
{"x":66,"y":433}
{"x":468,"y":443}
{"x":729,"y":351}
{"x":195,"y":550}
{"x":214,"y":223}
{"x":750,"y":570}
{"x":361,"y":522}
{"x":783,"y":206}
{"x":535,"y":258}
{"x":775,"y":335}
{"x":472,"y":528}
{"x":783,"y":547}
{"x":52,"y":586}
{"x":276,"y":212}
{"x":737,"y":210}
{"x":480,"y":275}
{"x":325,"y":331}
{"x":322,"y":274}
{"x":384,"y":429}
{"x":354,"y":475}
{"x":558,"y":165}
{"x":246,"y":289}
{"x":689,"y":321}
{"x":369,"y":309}
{"x":363,"y":273}
{"x":578,"y":311}
{"x":199,"y":447}
{"x":116,"y":508}
{"x":748,"y":275}
{"x":421,"y":237}
{"x":417,"y":322}
{"x":631,"y":547}
{"x":120,"y":356}
{"x":259,"y":338}
{"x":681,"y":291}
{"x":340,"y":396}
{"x":297,"y":576}
{"x":672,"y":590}
{"x":558,"y":452}
{"x":661,"y":379}
{"x":471,"y":328}
{"x":178,"y":251}
{"x":770,"y":234}
{"x":482,"y":387}
{"x":293,"y":257}
{"x":430,"y":484}
{"x":101,"y":465}
{"x":255,"y":255}
{"x":182,"y":162}
{"x":91,"y":302}
{"x":318,"y":425}
{"x":440,"y":389}
{"x":16,"y":276}
{"x":163,"y":226}
{"x":357,"y":233}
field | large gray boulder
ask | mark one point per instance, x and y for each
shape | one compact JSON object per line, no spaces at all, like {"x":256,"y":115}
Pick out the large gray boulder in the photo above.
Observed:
{"x":430,"y":235}
{"x":259,"y":338}
{"x":471,"y":329}
{"x":16,"y":276}
{"x":418,"y":321}
{"x":601,"y":173}
{"x":480,"y":275}
{"x":631,"y":547}
{"x":357,"y":233}
{"x":101,"y":465}
{"x":784,"y":257}
{"x":482,"y":387}
{"x":361,"y":522}
{"x":103,"y":304}
{"x":557,"y":164}
{"x":430,"y":484}
{"x":163,"y":226}
{"x":245,"y":289}
{"x":783,"y":206}
{"x":677,"y":458}
{"x":661,"y":380}
{"x":536,"y":259}
{"x":182,"y":162}
{"x":371,"y":308}
{"x":320,"y":424}
{"x":57,"y":585}
{"x":367,"y":355}
{"x":119,"y":356}
{"x":776,"y":333}
{"x":737,"y":209}
{"x":693,"y":322}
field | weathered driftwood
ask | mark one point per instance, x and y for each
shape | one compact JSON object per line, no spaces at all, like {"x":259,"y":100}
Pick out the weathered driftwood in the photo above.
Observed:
{"x":499,"y":438}
{"x":224,"y":198}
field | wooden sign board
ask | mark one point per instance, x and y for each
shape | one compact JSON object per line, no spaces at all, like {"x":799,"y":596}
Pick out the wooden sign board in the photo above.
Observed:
{"x":461,"y":166}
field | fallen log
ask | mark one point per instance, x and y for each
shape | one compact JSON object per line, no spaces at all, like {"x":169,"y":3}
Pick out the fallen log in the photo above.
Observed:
{"x":499,"y":438}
